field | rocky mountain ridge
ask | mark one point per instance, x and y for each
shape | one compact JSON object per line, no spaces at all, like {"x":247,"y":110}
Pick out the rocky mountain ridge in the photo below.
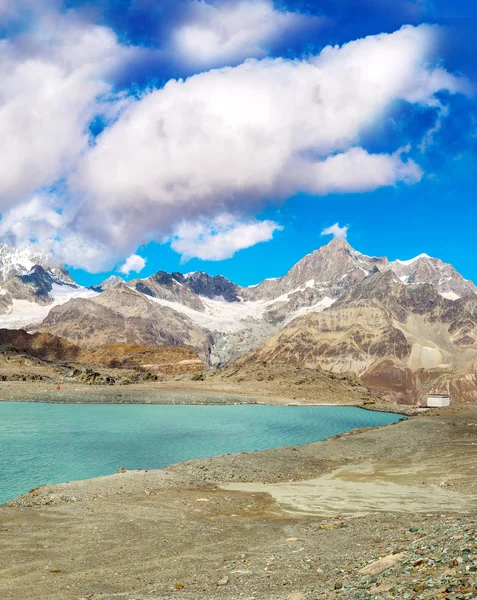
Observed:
{"x":385,"y":330}
{"x":30,"y":284}
{"x":336,"y":309}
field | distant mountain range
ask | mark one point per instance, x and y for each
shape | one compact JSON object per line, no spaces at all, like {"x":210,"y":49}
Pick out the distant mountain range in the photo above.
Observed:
{"x":404,"y":326}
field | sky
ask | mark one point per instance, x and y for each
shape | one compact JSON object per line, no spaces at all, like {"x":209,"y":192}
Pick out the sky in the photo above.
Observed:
{"x":236,"y":136}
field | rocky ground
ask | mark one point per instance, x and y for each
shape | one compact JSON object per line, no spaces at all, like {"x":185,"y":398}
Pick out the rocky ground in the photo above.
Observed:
{"x":273,"y":384}
{"x":25,"y":379}
{"x":254,"y":526}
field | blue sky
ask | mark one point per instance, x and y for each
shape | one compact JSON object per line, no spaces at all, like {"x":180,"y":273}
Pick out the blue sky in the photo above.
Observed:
{"x":226,"y":135}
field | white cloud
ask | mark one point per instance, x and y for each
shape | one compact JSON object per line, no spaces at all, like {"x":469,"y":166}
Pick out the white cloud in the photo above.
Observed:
{"x":229,"y":140}
{"x":357,"y":171}
{"x":36,"y":218}
{"x":174,"y":161}
{"x":336,"y":231}
{"x":228,"y":33}
{"x":221,"y":238}
{"x":133,"y":263}
{"x":53,"y":84}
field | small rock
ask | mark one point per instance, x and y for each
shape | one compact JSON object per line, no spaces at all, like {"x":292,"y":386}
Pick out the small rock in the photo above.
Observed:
{"x":223,"y":581}
{"x":419,"y":562}
{"x":382,"y":564}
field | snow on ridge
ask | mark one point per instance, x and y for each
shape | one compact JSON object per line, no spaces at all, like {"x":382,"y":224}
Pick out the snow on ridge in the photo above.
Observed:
{"x":257,"y":284}
{"x":411,"y":260}
{"x":24,"y":313}
{"x":22,"y":258}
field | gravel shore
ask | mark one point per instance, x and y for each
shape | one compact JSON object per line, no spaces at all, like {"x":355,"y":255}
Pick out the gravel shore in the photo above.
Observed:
{"x":176,"y":392}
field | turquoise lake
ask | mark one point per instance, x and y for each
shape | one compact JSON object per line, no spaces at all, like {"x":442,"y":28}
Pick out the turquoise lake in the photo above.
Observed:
{"x":53,"y":443}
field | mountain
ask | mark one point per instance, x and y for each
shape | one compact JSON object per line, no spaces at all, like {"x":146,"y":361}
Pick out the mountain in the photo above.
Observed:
{"x":19,"y":261}
{"x":121,"y":315}
{"x":383,"y":329}
{"x":327,"y":271}
{"x":18,"y":345}
{"x":336,"y":267}
{"x":30,"y":286}
{"x":107,"y":283}
{"x":404,"y":326}
{"x":424,"y":269}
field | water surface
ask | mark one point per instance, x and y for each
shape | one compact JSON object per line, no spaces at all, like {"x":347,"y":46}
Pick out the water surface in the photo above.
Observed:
{"x":53,"y":443}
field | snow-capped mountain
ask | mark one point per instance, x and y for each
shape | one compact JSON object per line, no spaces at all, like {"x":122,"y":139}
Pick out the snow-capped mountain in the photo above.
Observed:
{"x":30,"y":286}
{"x":425,"y":269}
{"x":19,"y":261}
{"x":233,"y":319}
{"x":336,"y":267}
{"x":110,"y":282}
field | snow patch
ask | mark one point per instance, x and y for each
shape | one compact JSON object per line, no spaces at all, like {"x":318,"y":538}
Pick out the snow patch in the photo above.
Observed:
{"x":411,"y":260}
{"x":320,"y":306}
{"x":449,"y":295}
{"x":24,"y":313}
{"x":219,"y":315}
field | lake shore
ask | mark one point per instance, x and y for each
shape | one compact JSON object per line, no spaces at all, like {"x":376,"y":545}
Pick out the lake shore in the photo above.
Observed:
{"x":173,"y":392}
{"x":257,"y":526}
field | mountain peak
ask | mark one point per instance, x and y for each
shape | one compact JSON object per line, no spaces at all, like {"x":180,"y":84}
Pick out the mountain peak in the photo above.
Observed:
{"x":20,"y":260}
{"x":415,"y":259}
{"x":108,"y":283}
{"x":338,"y":243}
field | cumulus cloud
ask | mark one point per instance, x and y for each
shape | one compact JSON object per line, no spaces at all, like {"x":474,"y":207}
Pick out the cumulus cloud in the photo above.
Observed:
{"x":133,"y":263}
{"x":53,"y":85}
{"x":173,"y":161}
{"x":336,"y":231}
{"x":221,"y":238}
{"x":357,"y":171}
{"x":230,"y":32}
{"x":36,"y":220}
{"x":232,"y":139}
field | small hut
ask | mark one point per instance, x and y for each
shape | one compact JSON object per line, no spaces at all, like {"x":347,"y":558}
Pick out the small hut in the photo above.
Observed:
{"x":438,"y":400}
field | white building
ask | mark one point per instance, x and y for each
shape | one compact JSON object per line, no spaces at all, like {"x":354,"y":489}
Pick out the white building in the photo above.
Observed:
{"x":438,"y":400}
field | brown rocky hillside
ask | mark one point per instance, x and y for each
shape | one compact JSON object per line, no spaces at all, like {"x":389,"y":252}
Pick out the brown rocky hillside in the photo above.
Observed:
{"x":164,"y":360}
{"x":403,"y":340}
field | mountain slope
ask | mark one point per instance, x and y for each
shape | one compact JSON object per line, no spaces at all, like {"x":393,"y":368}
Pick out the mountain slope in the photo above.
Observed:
{"x":30,"y":286}
{"x":121,"y":315}
{"x":15,"y":346}
{"x":336,"y":309}
{"x":383,"y":326}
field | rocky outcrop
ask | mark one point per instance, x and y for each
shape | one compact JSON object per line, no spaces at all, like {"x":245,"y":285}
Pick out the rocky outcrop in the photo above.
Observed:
{"x":165,"y":360}
{"x":40,"y":345}
{"x":210,"y":287}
